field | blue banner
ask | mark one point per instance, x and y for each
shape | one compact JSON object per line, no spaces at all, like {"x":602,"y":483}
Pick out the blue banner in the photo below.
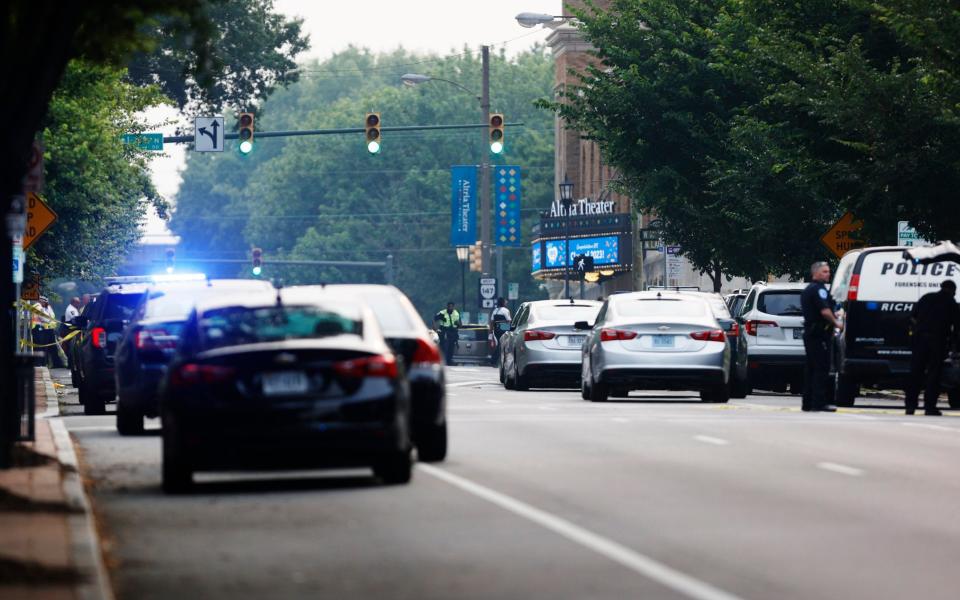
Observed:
{"x":507,"y":200}
{"x":463,"y":205}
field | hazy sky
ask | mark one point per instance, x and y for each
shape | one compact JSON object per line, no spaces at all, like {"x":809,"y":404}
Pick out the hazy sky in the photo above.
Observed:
{"x":440,"y":26}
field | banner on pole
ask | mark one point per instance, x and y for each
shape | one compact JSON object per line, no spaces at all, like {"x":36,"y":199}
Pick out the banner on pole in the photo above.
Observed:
{"x":463,"y":205}
{"x":508,"y":196}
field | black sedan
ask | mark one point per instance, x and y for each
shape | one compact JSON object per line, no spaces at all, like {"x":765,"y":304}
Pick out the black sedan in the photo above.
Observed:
{"x":410,"y":339}
{"x":148,"y":344}
{"x":284,"y":380}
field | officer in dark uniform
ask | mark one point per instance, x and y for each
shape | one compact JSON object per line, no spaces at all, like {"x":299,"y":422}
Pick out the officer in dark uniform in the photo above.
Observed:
{"x":934,"y":322}
{"x":818,"y":325}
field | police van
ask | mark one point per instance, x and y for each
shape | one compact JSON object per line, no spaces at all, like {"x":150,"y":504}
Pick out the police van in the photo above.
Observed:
{"x":877,"y":288}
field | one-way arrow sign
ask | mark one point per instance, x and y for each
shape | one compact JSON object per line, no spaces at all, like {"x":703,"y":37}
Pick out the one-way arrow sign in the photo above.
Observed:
{"x":208,"y":134}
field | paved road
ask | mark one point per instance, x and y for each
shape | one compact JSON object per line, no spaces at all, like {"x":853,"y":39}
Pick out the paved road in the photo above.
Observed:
{"x":547,"y":496}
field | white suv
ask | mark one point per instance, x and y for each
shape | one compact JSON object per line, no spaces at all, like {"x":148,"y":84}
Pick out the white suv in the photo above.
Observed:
{"x":773,"y":325}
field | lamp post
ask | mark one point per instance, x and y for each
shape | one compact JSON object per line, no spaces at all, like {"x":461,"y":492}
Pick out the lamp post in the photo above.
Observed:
{"x":412,"y":79}
{"x":566,"y":200}
{"x":463,"y":252}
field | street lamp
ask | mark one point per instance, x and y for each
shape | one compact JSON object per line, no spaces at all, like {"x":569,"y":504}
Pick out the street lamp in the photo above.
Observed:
{"x":463,"y":252}
{"x":530,"y":19}
{"x":412,"y":79}
{"x":566,"y":199}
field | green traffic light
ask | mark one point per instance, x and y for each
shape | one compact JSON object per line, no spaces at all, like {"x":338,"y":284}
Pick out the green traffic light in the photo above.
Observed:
{"x":257,"y":271}
{"x":496,"y":147}
{"x":373,"y":147}
{"x":246,"y":147}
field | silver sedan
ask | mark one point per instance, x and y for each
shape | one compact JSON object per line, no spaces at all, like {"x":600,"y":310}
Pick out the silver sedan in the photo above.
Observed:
{"x":652,"y":340}
{"x":542,"y":347}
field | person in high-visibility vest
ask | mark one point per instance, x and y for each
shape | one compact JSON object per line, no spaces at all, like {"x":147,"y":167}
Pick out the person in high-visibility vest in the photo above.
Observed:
{"x":447,"y":322}
{"x":44,"y":325}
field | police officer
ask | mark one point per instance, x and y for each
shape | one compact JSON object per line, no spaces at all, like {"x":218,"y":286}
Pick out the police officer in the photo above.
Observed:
{"x":448,"y":321}
{"x":934,"y":322}
{"x":818,"y":325}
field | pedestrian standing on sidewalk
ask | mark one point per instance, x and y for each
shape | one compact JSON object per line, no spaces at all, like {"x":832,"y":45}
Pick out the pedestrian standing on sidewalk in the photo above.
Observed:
{"x":819,"y":323}
{"x":69,"y":314}
{"x":934,"y":323}
{"x":44,"y":326}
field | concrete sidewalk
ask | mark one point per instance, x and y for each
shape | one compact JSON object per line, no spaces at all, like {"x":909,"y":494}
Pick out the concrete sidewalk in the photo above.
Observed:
{"x":48,"y":543}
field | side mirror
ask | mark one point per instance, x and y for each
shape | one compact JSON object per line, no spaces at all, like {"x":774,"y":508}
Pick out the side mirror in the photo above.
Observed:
{"x":582,"y":325}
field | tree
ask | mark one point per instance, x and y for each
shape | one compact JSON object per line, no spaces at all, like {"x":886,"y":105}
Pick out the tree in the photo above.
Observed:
{"x":326,"y":198}
{"x":96,"y":184}
{"x":252,"y":51}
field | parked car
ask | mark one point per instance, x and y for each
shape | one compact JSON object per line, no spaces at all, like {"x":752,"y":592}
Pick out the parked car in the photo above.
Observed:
{"x":735,"y":301}
{"x":284,"y":380}
{"x":150,"y":340}
{"x":101,"y":327}
{"x":876,"y":289}
{"x":655,"y":340}
{"x":772,"y":320}
{"x":542,"y":346}
{"x":408,"y":336}
{"x":739,"y":385}
{"x":473,"y":345}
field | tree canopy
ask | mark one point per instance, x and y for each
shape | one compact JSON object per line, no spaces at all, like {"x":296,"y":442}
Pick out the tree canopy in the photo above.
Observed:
{"x":326,"y":198}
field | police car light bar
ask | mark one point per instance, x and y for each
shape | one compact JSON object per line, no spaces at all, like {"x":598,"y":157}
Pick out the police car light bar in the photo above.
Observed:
{"x":178,"y":277}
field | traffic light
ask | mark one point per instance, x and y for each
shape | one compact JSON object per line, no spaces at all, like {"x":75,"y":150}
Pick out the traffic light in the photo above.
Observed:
{"x":245,"y":134}
{"x":496,"y":133}
{"x":476,"y":257}
{"x":372,"y":126}
{"x":257,"y":261}
{"x":171,"y":255}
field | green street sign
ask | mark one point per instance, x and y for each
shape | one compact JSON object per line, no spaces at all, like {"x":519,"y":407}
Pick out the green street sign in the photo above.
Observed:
{"x":145,"y":141}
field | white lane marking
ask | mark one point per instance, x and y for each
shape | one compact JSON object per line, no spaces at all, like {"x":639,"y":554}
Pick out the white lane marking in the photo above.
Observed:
{"x":838,"y":468}
{"x":545,"y":407}
{"x":620,"y":420}
{"x":492,"y":401}
{"x":468,"y":383}
{"x":627,"y":557}
{"x":707,"y":439}
{"x":932,"y":427}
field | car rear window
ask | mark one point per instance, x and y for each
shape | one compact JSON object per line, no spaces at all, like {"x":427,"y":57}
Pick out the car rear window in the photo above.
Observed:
{"x":784,"y":304}
{"x":473,"y":334}
{"x":175,"y":302}
{"x":390,"y":313}
{"x":649,"y":307}
{"x":121,"y":306}
{"x":237,"y":325}
{"x":570,"y":313}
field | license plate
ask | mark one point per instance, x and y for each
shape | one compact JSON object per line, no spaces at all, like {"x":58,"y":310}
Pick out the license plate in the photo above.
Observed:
{"x":284,"y":383}
{"x":798,"y":334}
{"x":663,"y":341}
{"x":575,"y":340}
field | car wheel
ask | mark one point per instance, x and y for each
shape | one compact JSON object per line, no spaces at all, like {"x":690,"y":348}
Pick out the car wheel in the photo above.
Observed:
{"x":845,"y":392}
{"x":129,"y":420}
{"x":395,"y":469}
{"x":584,"y":389}
{"x":176,"y":471}
{"x":716,"y":394}
{"x":954,"y":397}
{"x":738,"y":387}
{"x":598,"y":391}
{"x":521,"y":382}
{"x":508,"y":381}
{"x":92,"y":403}
{"x":503,"y":378}
{"x":432,"y":443}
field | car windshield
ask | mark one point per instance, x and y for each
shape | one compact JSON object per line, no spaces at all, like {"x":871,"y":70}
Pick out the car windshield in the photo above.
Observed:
{"x":121,"y":306}
{"x":236,"y":325}
{"x":570,"y":313}
{"x":661,"y":307}
{"x":786,"y":303}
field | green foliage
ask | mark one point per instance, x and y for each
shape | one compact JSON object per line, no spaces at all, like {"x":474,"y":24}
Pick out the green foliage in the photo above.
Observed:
{"x":326,"y":198}
{"x":251,"y":51}
{"x":97,"y":185}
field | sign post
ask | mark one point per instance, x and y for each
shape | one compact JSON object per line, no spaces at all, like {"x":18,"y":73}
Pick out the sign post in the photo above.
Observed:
{"x":488,"y":292}
{"x":144,"y":141}
{"x":673,"y":264}
{"x":908,"y":236}
{"x":513,"y":291}
{"x":842,"y":236}
{"x":39,"y":219}
{"x":208,"y":134}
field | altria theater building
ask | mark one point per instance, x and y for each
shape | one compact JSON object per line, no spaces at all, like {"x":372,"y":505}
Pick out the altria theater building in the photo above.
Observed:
{"x":598,"y":222}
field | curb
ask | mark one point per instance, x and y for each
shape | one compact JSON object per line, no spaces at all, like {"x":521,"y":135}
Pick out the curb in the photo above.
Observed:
{"x":85,"y":543}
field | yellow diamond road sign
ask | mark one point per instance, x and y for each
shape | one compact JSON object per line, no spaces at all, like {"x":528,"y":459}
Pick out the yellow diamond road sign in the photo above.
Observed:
{"x":842,"y":236}
{"x":39,"y":218}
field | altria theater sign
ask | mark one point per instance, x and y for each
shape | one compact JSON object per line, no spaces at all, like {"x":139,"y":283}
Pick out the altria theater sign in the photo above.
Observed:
{"x":582,"y":206}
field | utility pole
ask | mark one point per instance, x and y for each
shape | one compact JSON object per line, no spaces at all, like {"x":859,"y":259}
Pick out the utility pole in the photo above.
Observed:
{"x":485,"y":224}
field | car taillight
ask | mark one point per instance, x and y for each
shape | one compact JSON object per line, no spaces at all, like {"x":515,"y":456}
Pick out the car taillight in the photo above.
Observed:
{"x":712,"y":335}
{"x":426,"y":353}
{"x":854,"y":288}
{"x":373,"y":366}
{"x":734,"y":330}
{"x":192,"y":373}
{"x":753,"y":326}
{"x":535,"y":335}
{"x":99,"y":337}
{"x":154,"y":339}
{"x":610,"y":335}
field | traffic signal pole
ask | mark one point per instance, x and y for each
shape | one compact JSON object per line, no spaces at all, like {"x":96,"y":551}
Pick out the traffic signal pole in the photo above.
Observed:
{"x":485,"y":208}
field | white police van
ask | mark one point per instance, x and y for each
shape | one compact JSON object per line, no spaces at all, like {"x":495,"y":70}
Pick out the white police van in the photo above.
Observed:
{"x":877,"y":288}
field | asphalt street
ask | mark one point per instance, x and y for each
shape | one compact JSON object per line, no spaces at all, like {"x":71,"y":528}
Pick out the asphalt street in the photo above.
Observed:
{"x":547,"y":496}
